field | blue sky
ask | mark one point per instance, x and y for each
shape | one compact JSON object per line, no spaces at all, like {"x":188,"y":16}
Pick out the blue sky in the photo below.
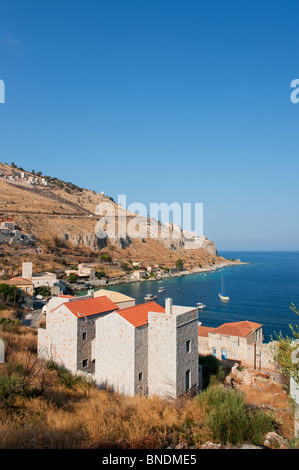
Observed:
{"x":164,"y":101}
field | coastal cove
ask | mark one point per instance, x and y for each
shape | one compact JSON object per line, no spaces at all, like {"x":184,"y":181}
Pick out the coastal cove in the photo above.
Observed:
{"x":261,"y":289}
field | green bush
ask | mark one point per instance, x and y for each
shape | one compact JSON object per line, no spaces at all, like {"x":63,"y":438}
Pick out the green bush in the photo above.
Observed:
{"x":72,"y":278}
{"x":228,"y":418}
{"x":100,"y":274}
{"x":66,"y":378}
{"x":179,"y":264}
{"x":9,"y":293}
{"x":10,"y":387}
{"x":105,"y":257}
{"x":45,"y":291}
{"x":211,"y":369}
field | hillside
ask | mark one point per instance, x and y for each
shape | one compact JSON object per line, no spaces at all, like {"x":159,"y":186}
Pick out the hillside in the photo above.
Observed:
{"x":49,"y":209}
{"x":43,"y":406}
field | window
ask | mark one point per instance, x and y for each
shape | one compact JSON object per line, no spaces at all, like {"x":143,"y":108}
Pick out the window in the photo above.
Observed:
{"x":188,"y":346}
{"x":187,"y":380}
{"x":27,"y":289}
{"x":219,"y":341}
{"x":140,"y":376}
{"x":85,"y":362}
{"x":235,"y":344}
{"x":84,"y":335}
{"x":214,"y":352}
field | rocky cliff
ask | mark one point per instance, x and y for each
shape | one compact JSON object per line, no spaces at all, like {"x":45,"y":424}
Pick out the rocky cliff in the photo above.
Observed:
{"x":47,"y":208}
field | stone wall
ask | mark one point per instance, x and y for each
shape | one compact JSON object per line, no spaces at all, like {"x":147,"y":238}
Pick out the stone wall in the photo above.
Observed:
{"x":162,"y":354}
{"x":114,"y":349}
{"x":235,"y":346}
{"x":59,"y":341}
{"x":168,"y":360}
{"x":141,"y":360}
{"x":204,"y":346}
{"x":86,"y":326}
{"x":187,"y":331}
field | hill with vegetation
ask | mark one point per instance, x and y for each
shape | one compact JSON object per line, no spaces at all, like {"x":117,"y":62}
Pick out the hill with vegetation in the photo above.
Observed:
{"x":62,"y":218}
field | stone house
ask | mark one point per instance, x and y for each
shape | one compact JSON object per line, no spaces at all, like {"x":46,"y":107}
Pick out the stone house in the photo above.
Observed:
{"x":138,"y":274}
{"x":83,"y":271}
{"x":46,"y":279}
{"x":70,"y":330}
{"x":238,"y":341}
{"x":145,"y":349}
{"x":25,"y":286}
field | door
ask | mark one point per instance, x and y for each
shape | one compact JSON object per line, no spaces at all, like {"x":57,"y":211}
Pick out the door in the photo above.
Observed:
{"x":223,"y":354}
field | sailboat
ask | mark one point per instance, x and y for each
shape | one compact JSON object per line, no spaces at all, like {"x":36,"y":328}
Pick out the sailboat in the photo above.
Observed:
{"x":221,"y":295}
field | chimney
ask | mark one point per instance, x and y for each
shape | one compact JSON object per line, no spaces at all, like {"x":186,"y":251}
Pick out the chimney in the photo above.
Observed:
{"x":90,"y":292}
{"x":168,"y":306}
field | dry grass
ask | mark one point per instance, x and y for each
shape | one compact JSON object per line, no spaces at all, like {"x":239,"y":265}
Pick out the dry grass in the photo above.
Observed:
{"x":274,"y":396}
{"x":48,"y":414}
{"x":84,"y":417}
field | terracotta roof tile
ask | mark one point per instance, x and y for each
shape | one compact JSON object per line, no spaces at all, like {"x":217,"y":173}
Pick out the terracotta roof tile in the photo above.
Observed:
{"x":205,"y":330}
{"x":88,"y":307}
{"x":16,"y":281}
{"x":241,"y":328}
{"x":138,"y":315}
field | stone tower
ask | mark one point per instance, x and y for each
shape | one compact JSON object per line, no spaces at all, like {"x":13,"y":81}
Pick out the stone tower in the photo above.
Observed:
{"x":27,"y":271}
{"x":173,"y":351}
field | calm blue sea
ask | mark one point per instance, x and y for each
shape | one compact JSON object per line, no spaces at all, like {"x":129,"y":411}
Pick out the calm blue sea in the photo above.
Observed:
{"x":261,"y":291}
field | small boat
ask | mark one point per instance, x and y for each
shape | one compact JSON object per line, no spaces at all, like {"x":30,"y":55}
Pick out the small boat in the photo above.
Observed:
{"x":200,"y":305}
{"x":161,"y":289}
{"x":221,"y":295}
{"x":150,"y":297}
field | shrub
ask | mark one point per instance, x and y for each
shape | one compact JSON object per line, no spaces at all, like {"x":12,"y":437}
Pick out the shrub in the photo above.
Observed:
{"x":124,"y":266}
{"x":58,"y":242}
{"x":211,"y":369}
{"x":106,"y":257}
{"x":228,"y":418}
{"x":179,"y":264}
{"x":9,"y":293}
{"x":72,"y":278}
{"x":45,"y":291}
{"x":9,"y":387}
{"x":100,"y":274}
{"x":66,"y":378}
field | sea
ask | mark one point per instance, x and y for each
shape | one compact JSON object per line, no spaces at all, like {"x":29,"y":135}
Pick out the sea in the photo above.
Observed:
{"x":261,"y":291}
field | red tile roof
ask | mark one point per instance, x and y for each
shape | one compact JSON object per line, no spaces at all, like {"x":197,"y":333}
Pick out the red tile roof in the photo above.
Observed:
{"x":138,"y":315}
{"x":205,"y":330}
{"x":17,"y":281}
{"x":88,"y":307}
{"x":241,"y":328}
